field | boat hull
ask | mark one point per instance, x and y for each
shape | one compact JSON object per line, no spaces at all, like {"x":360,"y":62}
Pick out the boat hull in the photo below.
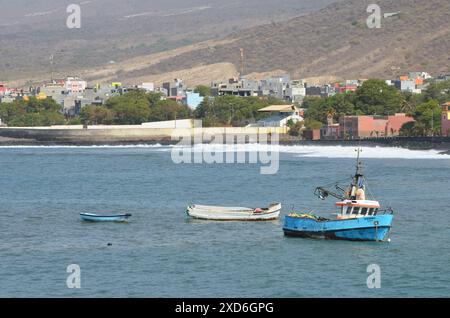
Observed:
{"x":104,"y":218}
{"x":233,"y":214}
{"x":374,"y":228}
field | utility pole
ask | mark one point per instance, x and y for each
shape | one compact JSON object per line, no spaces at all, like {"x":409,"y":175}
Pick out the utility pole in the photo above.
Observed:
{"x":51,"y":67}
{"x":242,"y":61}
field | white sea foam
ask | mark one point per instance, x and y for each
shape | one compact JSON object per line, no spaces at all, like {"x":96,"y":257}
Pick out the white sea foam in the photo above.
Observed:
{"x":328,"y":151}
{"x":298,"y":150}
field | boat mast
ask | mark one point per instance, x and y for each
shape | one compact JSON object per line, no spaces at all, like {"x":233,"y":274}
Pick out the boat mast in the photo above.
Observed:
{"x":351,"y":193}
{"x":357,"y":179}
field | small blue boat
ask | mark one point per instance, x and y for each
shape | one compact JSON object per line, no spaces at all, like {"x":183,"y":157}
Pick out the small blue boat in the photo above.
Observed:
{"x":357,"y":219}
{"x":89,"y":217}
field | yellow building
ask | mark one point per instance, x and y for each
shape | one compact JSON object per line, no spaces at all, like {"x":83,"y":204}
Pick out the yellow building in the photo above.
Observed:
{"x":445,"y":120}
{"x":41,"y":96}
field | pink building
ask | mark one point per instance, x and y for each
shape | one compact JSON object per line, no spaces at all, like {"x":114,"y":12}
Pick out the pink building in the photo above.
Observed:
{"x":372,"y":126}
{"x":3,"y":89}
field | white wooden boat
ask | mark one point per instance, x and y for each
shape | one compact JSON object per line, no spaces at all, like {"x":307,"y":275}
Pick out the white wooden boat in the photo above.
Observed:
{"x":220,"y":213}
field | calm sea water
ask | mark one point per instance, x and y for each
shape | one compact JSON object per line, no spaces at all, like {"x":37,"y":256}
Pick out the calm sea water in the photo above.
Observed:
{"x":161,"y":253}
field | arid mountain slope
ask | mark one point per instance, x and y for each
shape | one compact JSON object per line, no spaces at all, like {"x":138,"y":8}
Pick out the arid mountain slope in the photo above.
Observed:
{"x":336,"y":42}
{"x":32,"y":31}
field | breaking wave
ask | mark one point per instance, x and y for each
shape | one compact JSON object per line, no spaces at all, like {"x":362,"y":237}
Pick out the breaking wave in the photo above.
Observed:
{"x":307,"y":151}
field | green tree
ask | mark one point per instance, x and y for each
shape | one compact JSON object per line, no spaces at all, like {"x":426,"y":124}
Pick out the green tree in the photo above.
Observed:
{"x":169,"y":110}
{"x":313,"y":124}
{"x":203,"y":90}
{"x":97,"y":115}
{"x":32,"y":112}
{"x":375,"y":97}
{"x":428,"y":118}
{"x":132,"y":108}
{"x":295,"y":129}
{"x":439,"y":91}
{"x":231,"y":110}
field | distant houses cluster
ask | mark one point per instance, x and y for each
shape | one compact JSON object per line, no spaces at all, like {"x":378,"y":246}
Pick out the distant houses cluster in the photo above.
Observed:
{"x":73,"y":93}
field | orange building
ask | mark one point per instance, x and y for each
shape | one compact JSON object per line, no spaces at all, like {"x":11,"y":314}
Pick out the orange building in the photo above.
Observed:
{"x":445,"y":123}
{"x":372,"y":126}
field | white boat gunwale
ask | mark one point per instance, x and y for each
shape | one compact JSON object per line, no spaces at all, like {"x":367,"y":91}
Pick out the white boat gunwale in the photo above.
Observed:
{"x":218,"y":213}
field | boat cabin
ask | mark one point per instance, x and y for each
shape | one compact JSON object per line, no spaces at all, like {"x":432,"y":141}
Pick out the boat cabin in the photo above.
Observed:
{"x":350,"y":209}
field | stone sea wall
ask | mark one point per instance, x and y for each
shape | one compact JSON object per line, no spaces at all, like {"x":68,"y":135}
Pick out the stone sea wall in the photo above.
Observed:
{"x":114,"y":134}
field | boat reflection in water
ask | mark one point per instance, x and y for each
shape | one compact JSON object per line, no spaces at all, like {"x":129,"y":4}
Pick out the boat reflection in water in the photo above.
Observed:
{"x":358,"y":219}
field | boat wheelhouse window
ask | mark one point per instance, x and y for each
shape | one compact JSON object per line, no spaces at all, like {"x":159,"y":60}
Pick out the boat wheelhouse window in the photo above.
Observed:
{"x":370,"y":211}
{"x":346,"y":210}
{"x":375,"y":212}
{"x":364,"y":211}
{"x":355,"y":210}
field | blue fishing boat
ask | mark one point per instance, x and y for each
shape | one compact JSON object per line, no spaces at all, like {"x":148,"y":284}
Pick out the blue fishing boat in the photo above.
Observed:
{"x":357,"y":219}
{"x":89,"y":217}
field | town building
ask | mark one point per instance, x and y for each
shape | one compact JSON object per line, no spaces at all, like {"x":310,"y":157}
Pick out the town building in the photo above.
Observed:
{"x":174,"y":89}
{"x":237,"y":87}
{"x":4,"y":90}
{"x":275,"y":86}
{"x":281,"y":116}
{"x":445,"y":120}
{"x":406,"y":85}
{"x":346,"y":86}
{"x":443,"y":78}
{"x":313,"y":91}
{"x":148,"y":87}
{"x":74,"y":85}
{"x":193,"y":100}
{"x":354,"y":127}
{"x":295,"y":91}
{"x":331,"y":130}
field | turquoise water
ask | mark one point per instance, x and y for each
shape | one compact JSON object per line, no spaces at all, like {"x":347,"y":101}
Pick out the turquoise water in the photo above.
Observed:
{"x":161,"y":253}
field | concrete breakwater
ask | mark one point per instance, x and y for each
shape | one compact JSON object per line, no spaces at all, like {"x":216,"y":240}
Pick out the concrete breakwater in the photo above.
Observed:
{"x":126,"y":134}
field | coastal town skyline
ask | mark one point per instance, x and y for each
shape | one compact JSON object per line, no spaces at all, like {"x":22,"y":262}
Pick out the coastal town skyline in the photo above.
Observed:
{"x":230,"y":156}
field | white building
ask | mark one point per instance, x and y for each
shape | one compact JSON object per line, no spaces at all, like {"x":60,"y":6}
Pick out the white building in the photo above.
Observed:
{"x":282,"y":114}
{"x":295,"y":91}
{"x":149,"y":87}
{"x":75,"y":85}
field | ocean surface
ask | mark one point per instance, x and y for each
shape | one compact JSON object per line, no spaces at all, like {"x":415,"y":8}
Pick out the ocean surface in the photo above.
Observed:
{"x":162,"y":253}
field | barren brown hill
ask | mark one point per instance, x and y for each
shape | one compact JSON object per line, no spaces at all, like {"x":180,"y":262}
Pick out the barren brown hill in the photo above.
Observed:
{"x":334,"y":41}
{"x":119,"y":31}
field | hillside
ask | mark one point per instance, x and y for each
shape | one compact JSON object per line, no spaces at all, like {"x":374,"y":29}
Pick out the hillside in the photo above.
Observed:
{"x":118,"y":31}
{"x":336,"y":41}
{"x":330,"y":43}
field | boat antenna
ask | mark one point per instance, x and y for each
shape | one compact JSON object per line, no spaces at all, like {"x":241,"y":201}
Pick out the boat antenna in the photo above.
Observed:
{"x":358,"y":162}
